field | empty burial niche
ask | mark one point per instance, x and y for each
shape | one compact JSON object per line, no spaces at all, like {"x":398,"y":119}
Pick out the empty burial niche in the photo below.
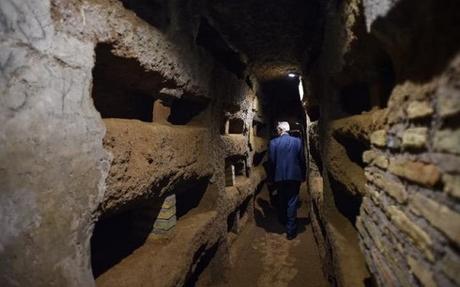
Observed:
{"x":194,"y":196}
{"x":116,"y":237}
{"x":121,"y":87}
{"x":354,"y":148}
{"x":259,"y":129}
{"x":239,"y":164}
{"x":234,"y":126}
{"x":184,"y":110}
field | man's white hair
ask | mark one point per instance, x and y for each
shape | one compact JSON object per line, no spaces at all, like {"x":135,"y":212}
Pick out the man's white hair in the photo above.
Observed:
{"x":283,"y":126}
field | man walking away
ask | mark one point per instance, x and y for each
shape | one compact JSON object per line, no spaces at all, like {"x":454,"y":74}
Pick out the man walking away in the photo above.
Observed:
{"x":287,"y":171}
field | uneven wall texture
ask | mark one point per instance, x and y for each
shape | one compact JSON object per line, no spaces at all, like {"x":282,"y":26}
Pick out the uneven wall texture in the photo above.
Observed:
{"x":410,"y":223}
{"x":66,"y":167}
{"x":391,"y":168}
{"x":52,"y":161}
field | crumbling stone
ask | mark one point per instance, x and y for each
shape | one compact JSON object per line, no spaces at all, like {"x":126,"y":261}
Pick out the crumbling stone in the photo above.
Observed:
{"x":422,"y":272}
{"x":379,"y":138}
{"x":393,"y":188}
{"x":373,"y":158}
{"x":420,"y":238}
{"x":418,"y":109}
{"x":425,"y":174}
{"x":442,"y":217}
{"x":415,"y":138}
{"x":451,"y":184}
{"x":450,"y":265}
{"x":447,"y":141}
{"x":369,"y":156}
{"x":448,"y":102}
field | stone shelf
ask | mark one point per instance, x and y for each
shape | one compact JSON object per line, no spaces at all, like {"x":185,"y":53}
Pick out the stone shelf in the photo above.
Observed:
{"x":149,"y":158}
{"x":165,"y":262}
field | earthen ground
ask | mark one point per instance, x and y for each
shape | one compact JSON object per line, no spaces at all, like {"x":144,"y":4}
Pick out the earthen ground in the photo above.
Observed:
{"x":263,"y":256}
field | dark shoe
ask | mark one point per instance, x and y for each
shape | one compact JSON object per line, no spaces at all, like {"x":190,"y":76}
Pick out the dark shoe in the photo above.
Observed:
{"x":291,"y":236}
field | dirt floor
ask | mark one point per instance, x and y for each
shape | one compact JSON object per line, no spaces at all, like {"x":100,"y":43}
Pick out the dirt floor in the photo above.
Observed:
{"x":264,"y":257}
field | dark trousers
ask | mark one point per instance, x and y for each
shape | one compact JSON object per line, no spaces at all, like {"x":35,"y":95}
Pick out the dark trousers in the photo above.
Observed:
{"x":288,"y":197}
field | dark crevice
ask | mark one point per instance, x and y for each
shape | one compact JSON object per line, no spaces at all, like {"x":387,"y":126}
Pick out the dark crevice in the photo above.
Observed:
{"x":260,"y":129}
{"x":231,"y":222}
{"x":387,"y":79}
{"x":258,"y":158}
{"x":201,"y":260}
{"x":244,"y":206}
{"x":210,"y":39}
{"x":347,"y":204}
{"x":154,"y":12}
{"x":354,"y":148}
{"x":313,"y":112}
{"x":355,"y":99}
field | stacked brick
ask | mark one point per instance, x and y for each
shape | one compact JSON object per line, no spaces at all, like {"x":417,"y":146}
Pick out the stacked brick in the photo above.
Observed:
{"x":166,"y":219}
{"x":409,"y":222}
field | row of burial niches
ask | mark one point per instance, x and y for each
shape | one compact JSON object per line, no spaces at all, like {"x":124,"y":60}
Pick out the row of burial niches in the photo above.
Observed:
{"x":145,"y":218}
{"x":251,"y":136}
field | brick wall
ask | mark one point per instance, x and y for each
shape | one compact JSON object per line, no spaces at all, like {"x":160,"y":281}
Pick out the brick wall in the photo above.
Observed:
{"x":409,"y":224}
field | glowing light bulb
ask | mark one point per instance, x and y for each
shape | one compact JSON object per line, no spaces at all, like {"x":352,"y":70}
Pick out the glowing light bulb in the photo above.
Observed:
{"x":291,"y":75}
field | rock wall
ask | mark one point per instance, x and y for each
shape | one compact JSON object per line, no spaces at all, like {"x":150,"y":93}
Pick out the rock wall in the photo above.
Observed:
{"x":409,"y":221}
{"x":107,"y":112}
{"x":336,"y":175}
{"x":384,"y":173}
{"x":53,"y":164}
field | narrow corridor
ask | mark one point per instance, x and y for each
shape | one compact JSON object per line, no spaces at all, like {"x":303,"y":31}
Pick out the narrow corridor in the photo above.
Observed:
{"x":138,"y":138}
{"x":263,"y":257}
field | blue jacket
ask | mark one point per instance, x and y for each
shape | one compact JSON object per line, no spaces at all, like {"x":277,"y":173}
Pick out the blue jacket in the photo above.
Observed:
{"x":286,"y":158}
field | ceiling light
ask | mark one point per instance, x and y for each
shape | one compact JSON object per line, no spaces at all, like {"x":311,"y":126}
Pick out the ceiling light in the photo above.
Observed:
{"x":292,"y":75}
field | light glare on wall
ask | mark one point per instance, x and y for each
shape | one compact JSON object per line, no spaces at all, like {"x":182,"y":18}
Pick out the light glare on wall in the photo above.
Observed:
{"x":300,"y":89}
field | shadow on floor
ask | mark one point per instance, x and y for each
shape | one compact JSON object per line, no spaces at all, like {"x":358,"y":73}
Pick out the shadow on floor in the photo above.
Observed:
{"x":266,"y":215}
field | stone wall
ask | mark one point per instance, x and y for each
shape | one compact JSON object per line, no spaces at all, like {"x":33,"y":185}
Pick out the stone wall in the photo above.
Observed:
{"x":392,"y":169}
{"x":107,"y":114}
{"x":53,"y":165}
{"x":336,"y":177}
{"x":410,"y":223}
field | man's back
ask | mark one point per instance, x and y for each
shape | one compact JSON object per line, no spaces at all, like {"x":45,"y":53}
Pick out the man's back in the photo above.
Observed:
{"x":287,"y":158}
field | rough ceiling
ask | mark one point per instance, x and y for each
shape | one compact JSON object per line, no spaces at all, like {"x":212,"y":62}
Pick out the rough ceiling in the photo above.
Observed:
{"x":275,"y":36}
